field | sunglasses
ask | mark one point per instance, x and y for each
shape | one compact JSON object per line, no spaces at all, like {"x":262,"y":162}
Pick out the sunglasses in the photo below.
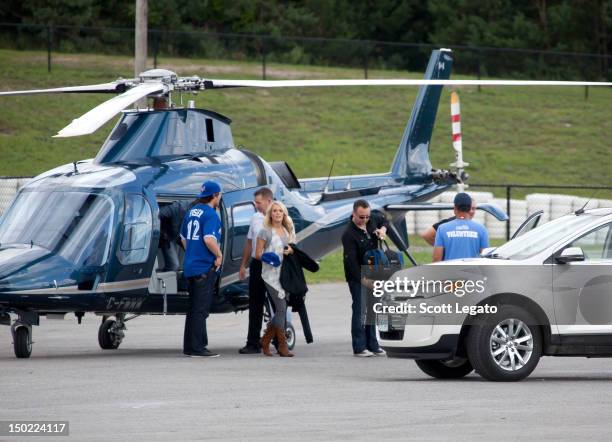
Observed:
{"x":364,"y":217}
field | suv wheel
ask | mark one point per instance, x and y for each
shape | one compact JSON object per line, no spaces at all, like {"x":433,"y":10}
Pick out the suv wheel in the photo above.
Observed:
{"x":505,"y":346}
{"x":453,"y":369}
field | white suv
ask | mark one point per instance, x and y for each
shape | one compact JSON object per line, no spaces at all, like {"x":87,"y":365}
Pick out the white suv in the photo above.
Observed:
{"x":550,"y":287}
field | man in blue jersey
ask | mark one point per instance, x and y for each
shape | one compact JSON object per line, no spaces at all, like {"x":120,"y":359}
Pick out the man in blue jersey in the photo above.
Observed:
{"x":462,"y":237}
{"x":201,"y":236}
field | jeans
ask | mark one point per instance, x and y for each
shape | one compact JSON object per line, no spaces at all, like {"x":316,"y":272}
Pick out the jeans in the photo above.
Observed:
{"x":279,"y":318}
{"x":201,"y":291}
{"x":257,"y":297}
{"x":363,"y":335}
{"x":171,"y":259}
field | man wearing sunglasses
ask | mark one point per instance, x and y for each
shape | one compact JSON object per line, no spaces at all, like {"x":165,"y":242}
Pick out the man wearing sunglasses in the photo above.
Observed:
{"x":361,"y":235}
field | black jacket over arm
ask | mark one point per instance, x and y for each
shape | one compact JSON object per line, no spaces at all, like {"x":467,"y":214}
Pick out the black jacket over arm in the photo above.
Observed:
{"x":293,"y":282}
{"x":356,"y":242}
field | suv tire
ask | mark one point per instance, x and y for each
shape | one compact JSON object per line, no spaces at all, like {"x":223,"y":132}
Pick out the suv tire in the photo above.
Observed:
{"x":505,"y":346}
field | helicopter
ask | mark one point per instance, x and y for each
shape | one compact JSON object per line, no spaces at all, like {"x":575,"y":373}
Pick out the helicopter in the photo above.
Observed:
{"x":84,"y":237}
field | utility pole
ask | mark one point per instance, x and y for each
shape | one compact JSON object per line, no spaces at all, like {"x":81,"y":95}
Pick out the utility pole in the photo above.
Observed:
{"x":140,"y":42}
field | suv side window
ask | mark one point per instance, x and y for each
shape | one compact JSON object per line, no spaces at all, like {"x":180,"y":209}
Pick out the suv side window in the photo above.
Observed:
{"x":595,"y":244}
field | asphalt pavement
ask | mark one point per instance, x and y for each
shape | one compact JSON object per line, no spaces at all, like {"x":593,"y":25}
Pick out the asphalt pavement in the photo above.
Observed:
{"x":147,"y":390}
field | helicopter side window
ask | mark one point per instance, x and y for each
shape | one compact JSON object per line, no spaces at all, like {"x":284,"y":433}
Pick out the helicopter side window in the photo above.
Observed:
{"x":137,"y":226}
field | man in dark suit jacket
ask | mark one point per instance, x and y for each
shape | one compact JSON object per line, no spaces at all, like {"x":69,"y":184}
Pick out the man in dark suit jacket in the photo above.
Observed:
{"x":362,"y":234}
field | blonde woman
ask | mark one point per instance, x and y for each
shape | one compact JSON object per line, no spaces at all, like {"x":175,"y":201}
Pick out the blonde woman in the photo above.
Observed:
{"x":274,"y":239}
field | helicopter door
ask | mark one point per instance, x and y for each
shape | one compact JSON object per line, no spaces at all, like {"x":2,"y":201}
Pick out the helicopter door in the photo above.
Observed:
{"x":241,"y":219}
{"x":530,"y":223}
{"x":135,"y":252}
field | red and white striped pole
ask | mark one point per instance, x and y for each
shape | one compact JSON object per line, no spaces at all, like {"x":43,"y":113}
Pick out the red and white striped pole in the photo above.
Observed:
{"x":456,"y":135}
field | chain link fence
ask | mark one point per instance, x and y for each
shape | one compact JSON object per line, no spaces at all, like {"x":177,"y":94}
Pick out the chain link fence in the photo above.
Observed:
{"x":364,"y":54}
{"x":9,"y":186}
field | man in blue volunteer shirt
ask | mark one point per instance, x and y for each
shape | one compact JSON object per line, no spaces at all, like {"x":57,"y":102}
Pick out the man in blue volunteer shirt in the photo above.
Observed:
{"x":462,"y":237}
{"x":201,"y":236}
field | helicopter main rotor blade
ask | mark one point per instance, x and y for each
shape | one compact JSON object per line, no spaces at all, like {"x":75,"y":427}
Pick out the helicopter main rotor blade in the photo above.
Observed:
{"x":92,"y":88}
{"x":214,"y":84}
{"x":92,"y":120}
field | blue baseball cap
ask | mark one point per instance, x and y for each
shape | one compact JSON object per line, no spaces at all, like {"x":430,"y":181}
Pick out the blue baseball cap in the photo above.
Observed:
{"x":209,"y":188}
{"x":463,"y":200}
{"x":271,"y":258}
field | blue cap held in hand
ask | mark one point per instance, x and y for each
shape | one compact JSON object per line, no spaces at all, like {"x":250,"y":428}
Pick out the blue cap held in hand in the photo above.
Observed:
{"x":209,"y":188}
{"x":271,"y":258}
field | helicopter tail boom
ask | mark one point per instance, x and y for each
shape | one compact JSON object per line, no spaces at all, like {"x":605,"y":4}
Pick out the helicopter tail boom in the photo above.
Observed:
{"x":412,"y":157}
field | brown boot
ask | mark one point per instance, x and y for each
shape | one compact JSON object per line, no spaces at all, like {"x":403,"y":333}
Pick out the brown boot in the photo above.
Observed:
{"x":283,"y":348}
{"x":267,"y":338}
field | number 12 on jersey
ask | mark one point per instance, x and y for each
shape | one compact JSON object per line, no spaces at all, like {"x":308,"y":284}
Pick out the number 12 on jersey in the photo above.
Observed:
{"x":195,"y":225}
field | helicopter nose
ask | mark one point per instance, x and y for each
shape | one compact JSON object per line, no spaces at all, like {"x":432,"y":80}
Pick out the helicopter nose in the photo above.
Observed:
{"x":30,"y":268}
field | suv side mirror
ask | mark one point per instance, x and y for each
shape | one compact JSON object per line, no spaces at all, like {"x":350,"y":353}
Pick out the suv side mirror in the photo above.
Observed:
{"x":570,"y":254}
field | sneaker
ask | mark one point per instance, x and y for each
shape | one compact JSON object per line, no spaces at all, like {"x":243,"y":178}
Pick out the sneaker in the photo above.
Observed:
{"x":249,"y":350}
{"x":363,"y":354}
{"x":203,"y":354}
{"x":379,"y":352}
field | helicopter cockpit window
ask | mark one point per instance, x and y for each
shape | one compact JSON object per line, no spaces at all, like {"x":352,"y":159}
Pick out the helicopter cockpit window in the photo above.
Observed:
{"x":75,"y":225}
{"x":137,"y":225}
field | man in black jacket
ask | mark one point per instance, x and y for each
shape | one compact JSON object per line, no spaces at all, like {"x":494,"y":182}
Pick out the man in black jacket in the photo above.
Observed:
{"x":362,"y":234}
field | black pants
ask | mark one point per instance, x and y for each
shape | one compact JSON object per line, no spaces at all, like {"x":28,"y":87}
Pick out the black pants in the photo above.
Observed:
{"x":201,"y":290}
{"x":363,"y":332}
{"x":257,"y":297}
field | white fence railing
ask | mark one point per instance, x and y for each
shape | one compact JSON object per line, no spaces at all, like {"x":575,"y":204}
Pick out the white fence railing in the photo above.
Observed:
{"x":553,"y":205}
